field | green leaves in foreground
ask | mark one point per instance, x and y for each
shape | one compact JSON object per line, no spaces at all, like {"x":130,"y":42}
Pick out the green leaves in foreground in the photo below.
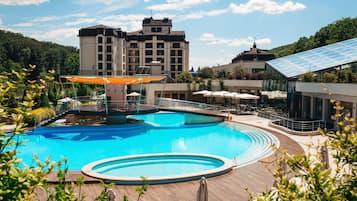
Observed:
{"x":305,"y":178}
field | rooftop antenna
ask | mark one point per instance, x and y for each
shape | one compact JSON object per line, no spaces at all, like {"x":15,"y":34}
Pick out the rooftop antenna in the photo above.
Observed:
{"x":254,"y":44}
{"x":151,"y":13}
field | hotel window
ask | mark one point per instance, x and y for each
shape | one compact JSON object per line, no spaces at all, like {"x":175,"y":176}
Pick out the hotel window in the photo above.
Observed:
{"x":179,"y":68}
{"x":109,"y":73}
{"x":100,"y":48}
{"x":148,"y":60}
{"x":100,"y":66}
{"x":160,"y":52}
{"x":173,"y":75}
{"x":173,"y":60}
{"x":100,"y":39}
{"x":109,"y":40}
{"x":160,"y":59}
{"x":148,"y":52}
{"x":162,"y":68}
{"x":179,"y":52}
{"x":109,"y":66}
{"x":173,"y":68}
{"x":109,"y":57}
{"x":179,"y":60}
{"x":100,"y":57}
{"x":109,"y":48}
{"x":172,"y":52}
{"x":176,"y":45}
{"x":133,"y":45}
{"x":156,"y":29}
{"x":160,"y":45}
{"x":100,"y":73}
{"x":148,"y":45}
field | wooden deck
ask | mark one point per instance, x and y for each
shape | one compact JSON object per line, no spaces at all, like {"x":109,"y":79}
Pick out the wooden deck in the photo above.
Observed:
{"x":229,"y":187}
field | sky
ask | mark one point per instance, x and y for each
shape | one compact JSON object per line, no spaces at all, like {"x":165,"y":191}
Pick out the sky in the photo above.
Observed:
{"x":217,"y":30}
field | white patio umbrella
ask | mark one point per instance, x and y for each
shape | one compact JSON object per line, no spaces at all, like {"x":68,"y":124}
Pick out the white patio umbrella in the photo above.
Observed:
{"x":203,"y":92}
{"x":133,"y":94}
{"x":202,"y":193}
{"x":275,"y":94}
{"x":217,"y":94}
{"x":66,"y":100}
{"x":247,"y":96}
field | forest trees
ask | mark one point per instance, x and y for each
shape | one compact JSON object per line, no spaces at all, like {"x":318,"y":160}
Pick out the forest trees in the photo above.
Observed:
{"x":340,"y":30}
{"x":17,"y":51}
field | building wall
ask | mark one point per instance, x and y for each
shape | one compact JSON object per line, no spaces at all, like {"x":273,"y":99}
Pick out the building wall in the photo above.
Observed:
{"x":248,"y":66}
{"x":128,"y":53}
{"x":88,"y":55}
{"x":316,"y":99}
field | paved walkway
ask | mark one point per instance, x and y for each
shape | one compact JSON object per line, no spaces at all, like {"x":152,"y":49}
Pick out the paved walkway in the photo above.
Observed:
{"x":308,"y":143}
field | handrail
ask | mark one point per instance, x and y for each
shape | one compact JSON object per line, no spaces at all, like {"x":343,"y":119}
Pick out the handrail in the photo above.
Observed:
{"x":90,"y":105}
{"x":190,"y":105}
{"x":293,"y":124}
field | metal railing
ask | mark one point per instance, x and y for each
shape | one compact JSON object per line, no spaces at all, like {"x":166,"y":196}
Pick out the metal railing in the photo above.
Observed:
{"x":294,"y":124}
{"x":90,"y":105}
{"x":187,"y":105}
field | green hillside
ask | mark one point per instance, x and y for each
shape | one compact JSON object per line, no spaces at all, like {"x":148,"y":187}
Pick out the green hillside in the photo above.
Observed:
{"x":17,"y":51}
{"x":338,"y":31}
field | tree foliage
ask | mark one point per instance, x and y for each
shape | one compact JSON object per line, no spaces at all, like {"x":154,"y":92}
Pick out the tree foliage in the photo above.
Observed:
{"x":340,"y":30}
{"x":19,"y":181}
{"x":17,"y":51}
{"x":305,"y":177}
{"x":184,"y":77}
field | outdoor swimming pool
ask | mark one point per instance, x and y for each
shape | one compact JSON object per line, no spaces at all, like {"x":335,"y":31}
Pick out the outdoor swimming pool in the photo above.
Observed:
{"x":163,"y":132}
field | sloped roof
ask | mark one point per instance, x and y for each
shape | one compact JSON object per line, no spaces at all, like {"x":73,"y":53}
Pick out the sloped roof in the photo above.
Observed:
{"x":317,"y":59}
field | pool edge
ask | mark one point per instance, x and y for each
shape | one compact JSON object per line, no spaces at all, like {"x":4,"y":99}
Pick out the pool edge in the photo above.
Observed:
{"x":227,"y":166}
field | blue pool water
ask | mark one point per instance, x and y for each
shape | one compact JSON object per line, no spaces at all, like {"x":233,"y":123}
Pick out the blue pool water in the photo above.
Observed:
{"x":157,"y":166}
{"x":160,"y":132}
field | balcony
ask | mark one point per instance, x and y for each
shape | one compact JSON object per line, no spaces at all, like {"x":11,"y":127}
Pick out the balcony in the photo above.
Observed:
{"x":346,"y":89}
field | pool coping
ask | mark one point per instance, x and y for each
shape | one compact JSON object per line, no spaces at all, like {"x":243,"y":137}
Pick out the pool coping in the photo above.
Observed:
{"x":227,"y":166}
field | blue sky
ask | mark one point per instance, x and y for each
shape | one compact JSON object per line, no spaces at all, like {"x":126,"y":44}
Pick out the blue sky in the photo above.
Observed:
{"x":217,"y":29}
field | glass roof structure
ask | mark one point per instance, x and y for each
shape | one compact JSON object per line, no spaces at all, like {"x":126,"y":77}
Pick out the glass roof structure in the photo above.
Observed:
{"x":317,"y":59}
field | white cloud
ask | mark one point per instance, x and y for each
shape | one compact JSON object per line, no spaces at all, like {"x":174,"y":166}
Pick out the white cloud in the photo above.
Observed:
{"x":53,"y":18}
{"x":235,"y":42}
{"x":147,"y":0}
{"x":109,"y":5}
{"x":24,"y":24}
{"x":202,"y":14}
{"x":131,"y":22}
{"x":266,"y":6}
{"x":21,"y":2}
{"x":80,"y":21}
{"x":56,"y":34}
{"x":177,"y":4}
{"x":1,"y":23}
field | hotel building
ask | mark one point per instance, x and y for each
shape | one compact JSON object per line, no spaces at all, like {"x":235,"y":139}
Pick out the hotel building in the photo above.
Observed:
{"x":110,"y":51}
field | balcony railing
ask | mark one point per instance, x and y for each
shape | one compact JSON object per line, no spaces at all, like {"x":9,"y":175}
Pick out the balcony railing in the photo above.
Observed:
{"x":187,"y":105}
{"x":294,"y":124}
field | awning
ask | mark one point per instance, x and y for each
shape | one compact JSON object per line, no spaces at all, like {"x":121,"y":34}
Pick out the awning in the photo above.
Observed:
{"x":112,"y":80}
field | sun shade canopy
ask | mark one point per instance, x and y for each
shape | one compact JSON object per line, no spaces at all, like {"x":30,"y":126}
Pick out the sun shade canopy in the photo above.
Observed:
{"x":317,"y":59}
{"x":112,"y":80}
